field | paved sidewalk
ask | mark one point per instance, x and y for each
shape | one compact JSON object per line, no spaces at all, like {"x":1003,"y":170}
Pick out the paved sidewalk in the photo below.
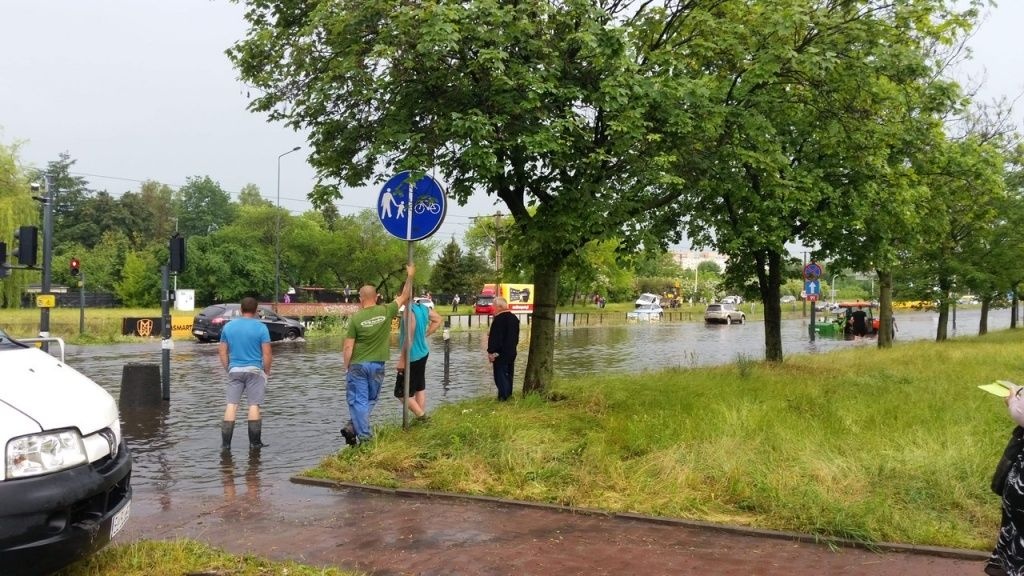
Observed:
{"x":398,"y":534}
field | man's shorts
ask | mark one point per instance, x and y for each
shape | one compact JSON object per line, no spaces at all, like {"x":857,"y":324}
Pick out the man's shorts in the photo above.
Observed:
{"x":417,"y":378}
{"x":251,"y":383}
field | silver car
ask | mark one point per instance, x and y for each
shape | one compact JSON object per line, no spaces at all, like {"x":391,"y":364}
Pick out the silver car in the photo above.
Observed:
{"x":722,"y":313}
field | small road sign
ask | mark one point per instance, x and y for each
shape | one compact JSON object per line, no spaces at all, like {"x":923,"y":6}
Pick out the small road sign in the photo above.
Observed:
{"x":421,"y":203}
{"x":45,"y":300}
{"x":812,"y":271}
{"x":812,"y":288}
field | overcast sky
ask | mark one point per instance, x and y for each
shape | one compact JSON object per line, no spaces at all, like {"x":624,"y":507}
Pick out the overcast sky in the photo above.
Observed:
{"x":141,"y":89}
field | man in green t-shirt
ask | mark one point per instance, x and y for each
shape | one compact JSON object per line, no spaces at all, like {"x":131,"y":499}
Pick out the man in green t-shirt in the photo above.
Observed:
{"x":367,"y":348}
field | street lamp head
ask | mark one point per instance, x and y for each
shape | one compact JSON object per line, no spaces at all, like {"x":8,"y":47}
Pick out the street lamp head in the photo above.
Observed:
{"x":296,"y":149}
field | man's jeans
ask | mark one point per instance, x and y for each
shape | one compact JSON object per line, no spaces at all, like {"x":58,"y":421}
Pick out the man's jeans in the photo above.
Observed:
{"x":362,"y":386}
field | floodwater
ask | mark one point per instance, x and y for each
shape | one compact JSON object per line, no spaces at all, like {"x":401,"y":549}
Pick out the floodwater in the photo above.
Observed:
{"x":176,"y":449}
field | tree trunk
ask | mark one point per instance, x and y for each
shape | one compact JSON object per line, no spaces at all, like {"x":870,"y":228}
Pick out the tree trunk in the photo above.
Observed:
{"x":983,"y":323}
{"x":1014,"y":303}
{"x":769,"y":279}
{"x":886,"y":322}
{"x":942,"y":331}
{"x":540,"y":366}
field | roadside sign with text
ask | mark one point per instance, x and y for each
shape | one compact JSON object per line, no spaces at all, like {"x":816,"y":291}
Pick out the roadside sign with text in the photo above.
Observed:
{"x":813,"y":289}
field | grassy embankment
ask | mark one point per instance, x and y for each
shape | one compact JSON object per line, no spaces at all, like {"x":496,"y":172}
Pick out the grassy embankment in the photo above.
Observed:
{"x":179,"y":557}
{"x":875,"y":445}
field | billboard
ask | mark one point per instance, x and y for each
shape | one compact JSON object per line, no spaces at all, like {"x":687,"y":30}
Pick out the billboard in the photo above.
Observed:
{"x":519,"y":296}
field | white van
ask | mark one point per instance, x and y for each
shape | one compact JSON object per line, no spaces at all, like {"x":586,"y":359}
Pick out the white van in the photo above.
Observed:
{"x":647,"y":299}
{"x":65,"y":485}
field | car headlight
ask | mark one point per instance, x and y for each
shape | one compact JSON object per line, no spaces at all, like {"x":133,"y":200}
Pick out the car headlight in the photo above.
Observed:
{"x":44,"y":453}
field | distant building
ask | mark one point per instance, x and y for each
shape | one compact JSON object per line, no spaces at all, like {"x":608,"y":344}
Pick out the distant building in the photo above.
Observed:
{"x":690,"y":259}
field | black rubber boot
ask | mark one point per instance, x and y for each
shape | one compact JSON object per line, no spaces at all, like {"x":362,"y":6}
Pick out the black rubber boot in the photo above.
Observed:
{"x":227,"y":430}
{"x":255,"y":431}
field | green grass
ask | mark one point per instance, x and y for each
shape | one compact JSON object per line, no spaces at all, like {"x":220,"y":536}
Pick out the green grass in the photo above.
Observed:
{"x":102,"y":325}
{"x":875,"y":445}
{"x":174,"y":558}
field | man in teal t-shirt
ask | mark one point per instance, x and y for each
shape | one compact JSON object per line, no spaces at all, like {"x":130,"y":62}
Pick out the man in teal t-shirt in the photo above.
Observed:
{"x":367,"y":348}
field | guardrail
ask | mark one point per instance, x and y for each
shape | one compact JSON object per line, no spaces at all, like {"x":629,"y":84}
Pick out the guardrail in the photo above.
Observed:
{"x":49,"y":340}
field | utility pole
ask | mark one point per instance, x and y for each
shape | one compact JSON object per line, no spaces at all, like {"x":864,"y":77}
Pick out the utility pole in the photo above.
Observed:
{"x":44,"y":312}
{"x":497,"y":246}
{"x":804,"y":299}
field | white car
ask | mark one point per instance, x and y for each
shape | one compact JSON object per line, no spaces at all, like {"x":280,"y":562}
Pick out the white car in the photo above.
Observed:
{"x":648,"y":298}
{"x":646,"y":313}
{"x":423,"y":300}
{"x":65,"y":486}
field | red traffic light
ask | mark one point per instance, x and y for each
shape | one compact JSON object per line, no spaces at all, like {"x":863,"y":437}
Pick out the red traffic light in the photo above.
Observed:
{"x":74,"y":266}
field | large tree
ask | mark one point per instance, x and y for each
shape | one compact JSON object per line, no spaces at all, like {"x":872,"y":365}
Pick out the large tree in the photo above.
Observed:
{"x":16,"y":209}
{"x":804,"y":91}
{"x":202,"y":206}
{"x":556,"y":108}
{"x":69,"y":194}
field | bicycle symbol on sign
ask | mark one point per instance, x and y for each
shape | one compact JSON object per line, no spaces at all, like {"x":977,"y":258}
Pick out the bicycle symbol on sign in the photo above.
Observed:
{"x":427,"y":203}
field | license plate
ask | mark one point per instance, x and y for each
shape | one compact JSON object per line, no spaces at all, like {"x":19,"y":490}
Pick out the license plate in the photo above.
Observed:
{"x":120,"y":519}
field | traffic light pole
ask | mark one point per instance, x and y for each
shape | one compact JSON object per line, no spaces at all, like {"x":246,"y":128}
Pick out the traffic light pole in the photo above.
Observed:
{"x":44,"y":312}
{"x":165,"y":332}
{"x":81,"y":305}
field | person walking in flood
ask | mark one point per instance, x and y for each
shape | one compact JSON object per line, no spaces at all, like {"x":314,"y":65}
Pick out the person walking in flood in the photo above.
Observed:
{"x":859,"y":319}
{"x":501,"y":347}
{"x":245,"y":355}
{"x":366,"y":349}
{"x":423,"y":321}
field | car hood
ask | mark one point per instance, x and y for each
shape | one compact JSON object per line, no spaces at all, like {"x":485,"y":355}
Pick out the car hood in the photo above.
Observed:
{"x":33,"y":379}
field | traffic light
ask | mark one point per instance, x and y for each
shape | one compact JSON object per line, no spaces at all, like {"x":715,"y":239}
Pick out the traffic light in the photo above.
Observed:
{"x":27,"y":245}
{"x":177,"y":248}
{"x":75,"y":267}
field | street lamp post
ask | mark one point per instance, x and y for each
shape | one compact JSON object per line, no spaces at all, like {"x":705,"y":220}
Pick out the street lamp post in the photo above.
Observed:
{"x":834,"y":288}
{"x":277,"y":233}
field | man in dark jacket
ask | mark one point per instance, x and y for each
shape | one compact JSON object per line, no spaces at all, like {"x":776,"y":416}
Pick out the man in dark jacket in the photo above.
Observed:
{"x":501,"y":347}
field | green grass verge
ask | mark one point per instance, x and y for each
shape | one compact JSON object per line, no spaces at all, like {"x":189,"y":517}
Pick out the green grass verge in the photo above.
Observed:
{"x":177,"y":557}
{"x":875,"y":445}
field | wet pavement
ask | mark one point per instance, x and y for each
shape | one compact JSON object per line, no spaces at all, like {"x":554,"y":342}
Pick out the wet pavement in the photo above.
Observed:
{"x":247,"y":504}
{"x":388,"y":534}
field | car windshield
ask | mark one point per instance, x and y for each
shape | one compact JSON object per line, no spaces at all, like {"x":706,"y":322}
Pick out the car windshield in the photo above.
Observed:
{"x":714,"y":307}
{"x":7,"y":341}
{"x":485,"y":300}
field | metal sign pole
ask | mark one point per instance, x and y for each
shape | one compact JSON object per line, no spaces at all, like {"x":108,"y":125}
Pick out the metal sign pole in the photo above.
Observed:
{"x":81,"y":305}
{"x":165,"y":332}
{"x":407,"y":336}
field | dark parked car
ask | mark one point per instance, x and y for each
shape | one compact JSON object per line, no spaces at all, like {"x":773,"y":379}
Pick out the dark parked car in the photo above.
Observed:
{"x":208,"y":323}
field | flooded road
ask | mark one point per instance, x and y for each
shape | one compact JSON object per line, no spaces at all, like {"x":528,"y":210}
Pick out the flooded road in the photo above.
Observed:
{"x":176,"y":449}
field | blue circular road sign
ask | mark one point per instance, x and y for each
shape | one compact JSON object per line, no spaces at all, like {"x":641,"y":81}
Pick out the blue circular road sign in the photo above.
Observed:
{"x":411,"y":210}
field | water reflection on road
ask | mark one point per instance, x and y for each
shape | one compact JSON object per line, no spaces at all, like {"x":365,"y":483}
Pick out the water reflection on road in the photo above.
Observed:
{"x":176,"y":448}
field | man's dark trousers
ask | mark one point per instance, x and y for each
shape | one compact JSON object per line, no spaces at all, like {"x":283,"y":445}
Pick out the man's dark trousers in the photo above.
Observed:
{"x":503,"y":373}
